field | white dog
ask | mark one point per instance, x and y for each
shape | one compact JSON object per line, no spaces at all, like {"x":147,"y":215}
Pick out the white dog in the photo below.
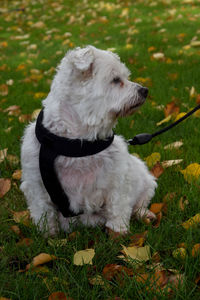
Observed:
{"x":89,"y":92}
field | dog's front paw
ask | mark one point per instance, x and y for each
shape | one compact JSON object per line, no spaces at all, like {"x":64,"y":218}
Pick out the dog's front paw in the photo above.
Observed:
{"x":145,"y":214}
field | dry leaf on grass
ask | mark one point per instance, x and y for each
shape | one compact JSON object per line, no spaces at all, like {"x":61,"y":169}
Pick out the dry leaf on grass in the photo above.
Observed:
{"x":114,"y":271}
{"x":171,"y":109}
{"x":96,"y":280}
{"x":40,"y":259}
{"x":3,"y":154}
{"x":59,"y":296}
{"x":139,"y":254}
{"x":138,"y":239}
{"x":5,"y":185}
{"x":170,"y":163}
{"x":21,"y":217}
{"x":17,"y":174}
{"x":83,"y":257}
{"x":196,"y":250}
{"x":165,"y":120}
{"x":25,"y":242}
{"x":192,"y":222}
{"x":192,"y":172}
{"x":175,"y":145}
{"x":13,"y":159}
{"x":152,"y":159}
{"x":157,"y":207}
{"x":179,"y":253}
{"x":157,"y":170}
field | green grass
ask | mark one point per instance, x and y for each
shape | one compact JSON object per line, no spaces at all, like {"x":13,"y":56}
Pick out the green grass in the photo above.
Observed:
{"x":148,"y":23}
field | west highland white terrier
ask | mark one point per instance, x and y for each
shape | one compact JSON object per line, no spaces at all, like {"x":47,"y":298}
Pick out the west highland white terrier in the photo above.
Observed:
{"x":89,"y":92}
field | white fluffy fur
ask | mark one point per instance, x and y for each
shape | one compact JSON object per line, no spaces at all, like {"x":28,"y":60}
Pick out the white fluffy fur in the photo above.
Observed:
{"x":84,"y":102}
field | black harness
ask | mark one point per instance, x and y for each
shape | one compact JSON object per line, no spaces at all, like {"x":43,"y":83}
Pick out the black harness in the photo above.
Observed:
{"x":53,"y":146}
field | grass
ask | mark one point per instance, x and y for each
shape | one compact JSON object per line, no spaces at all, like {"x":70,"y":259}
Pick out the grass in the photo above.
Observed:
{"x":33,"y":39}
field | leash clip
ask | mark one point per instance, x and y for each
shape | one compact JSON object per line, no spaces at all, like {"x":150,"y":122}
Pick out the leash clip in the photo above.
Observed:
{"x":140,"y":139}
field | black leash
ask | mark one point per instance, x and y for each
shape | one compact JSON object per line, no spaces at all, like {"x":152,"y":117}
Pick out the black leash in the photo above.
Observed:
{"x":144,"y":138}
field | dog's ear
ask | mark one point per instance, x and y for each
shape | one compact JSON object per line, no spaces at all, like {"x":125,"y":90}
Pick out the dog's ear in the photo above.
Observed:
{"x":82,"y":59}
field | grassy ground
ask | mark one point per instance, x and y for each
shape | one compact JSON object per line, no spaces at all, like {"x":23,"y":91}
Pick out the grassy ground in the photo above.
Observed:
{"x":34,"y":35}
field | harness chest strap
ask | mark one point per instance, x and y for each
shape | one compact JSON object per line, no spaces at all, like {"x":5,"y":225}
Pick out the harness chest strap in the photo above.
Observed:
{"x":53,"y":146}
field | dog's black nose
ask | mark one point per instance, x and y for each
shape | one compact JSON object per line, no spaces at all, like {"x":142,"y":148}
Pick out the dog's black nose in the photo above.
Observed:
{"x":143,"y":91}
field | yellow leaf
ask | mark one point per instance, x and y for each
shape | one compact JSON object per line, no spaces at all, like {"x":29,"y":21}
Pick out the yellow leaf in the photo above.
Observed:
{"x":41,"y":259}
{"x":152,"y":159}
{"x":40,"y":95}
{"x":180,"y":115}
{"x":195,"y":43}
{"x":165,"y":120}
{"x":96,"y":280}
{"x":192,"y":222}
{"x":129,"y":46}
{"x":179,"y":253}
{"x":35,"y":114}
{"x":84,"y":257}
{"x":140,"y":254}
{"x":13,"y":159}
{"x":192,"y":172}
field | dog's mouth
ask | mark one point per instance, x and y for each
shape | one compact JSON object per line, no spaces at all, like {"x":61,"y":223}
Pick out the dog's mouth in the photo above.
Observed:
{"x":129,"y":110}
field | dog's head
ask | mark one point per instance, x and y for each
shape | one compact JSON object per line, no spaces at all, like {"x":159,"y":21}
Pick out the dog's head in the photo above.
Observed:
{"x":95,"y":83}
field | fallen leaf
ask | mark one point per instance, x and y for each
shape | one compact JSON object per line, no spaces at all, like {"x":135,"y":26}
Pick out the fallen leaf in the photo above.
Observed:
{"x":5,"y":185}
{"x":157,"y":207}
{"x":175,"y":145}
{"x":140,"y":254}
{"x":16,"y":229}
{"x":169,"y":197}
{"x":171,"y":109}
{"x":170,"y":163}
{"x":83,"y":257}
{"x":57,"y":242}
{"x":25,"y":242}
{"x":138,"y":239}
{"x":182,"y":203}
{"x":13,"y":159}
{"x":165,"y":120}
{"x":96,"y":280}
{"x":17,"y":174}
{"x":3,"y":154}
{"x":59,"y":296}
{"x":158,"y":56}
{"x":192,"y":172}
{"x":111,"y":271}
{"x":179,"y":253}
{"x":195,"y":43}
{"x":40,"y":259}
{"x":24,"y":118}
{"x":179,"y":116}
{"x":35,"y":114}
{"x":196,"y":250}
{"x":157,"y":170}
{"x":21,"y":217}
{"x":176,"y":280}
{"x":3,"y":90}
{"x":156,"y":223}
{"x":192,"y":222}
{"x":152,"y":159}
{"x":193,"y":92}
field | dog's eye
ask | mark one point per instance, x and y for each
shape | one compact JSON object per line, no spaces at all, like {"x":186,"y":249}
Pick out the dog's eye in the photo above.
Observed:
{"x":116,"y":80}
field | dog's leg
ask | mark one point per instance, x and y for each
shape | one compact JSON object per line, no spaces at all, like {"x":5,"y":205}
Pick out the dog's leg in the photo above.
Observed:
{"x":41,"y":209}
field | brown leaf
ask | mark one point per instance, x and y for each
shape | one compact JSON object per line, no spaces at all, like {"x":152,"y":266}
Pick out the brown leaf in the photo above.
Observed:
{"x":156,"y":257}
{"x":156,"y":223}
{"x":5,"y":185}
{"x":138,"y":239}
{"x":24,"y":118}
{"x":157,"y":207}
{"x":114,"y":271}
{"x":171,"y":108}
{"x":25,"y":242}
{"x":157,"y":170}
{"x":41,"y":259}
{"x":13,"y":159}
{"x":16,"y":229}
{"x":17,"y":174}
{"x":169,"y":197}
{"x":22,"y":217}
{"x":3,"y":154}
{"x":59,"y":296}
{"x":182,"y":203}
{"x":196,"y":250}
{"x":3,"y":90}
